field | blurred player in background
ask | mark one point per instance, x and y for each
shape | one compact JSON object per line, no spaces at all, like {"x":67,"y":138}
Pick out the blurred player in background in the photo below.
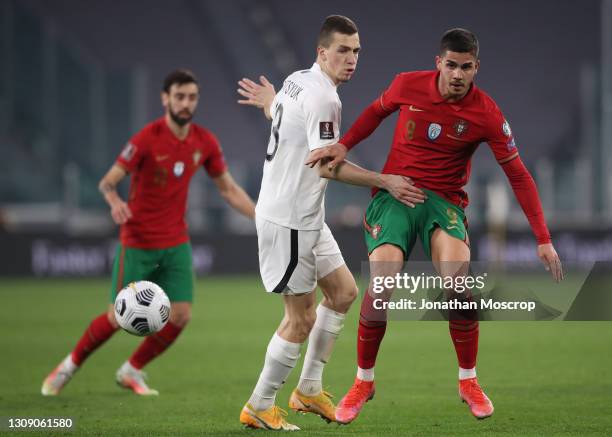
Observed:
{"x":443,"y":118}
{"x":297,"y":251}
{"x":154,"y":243}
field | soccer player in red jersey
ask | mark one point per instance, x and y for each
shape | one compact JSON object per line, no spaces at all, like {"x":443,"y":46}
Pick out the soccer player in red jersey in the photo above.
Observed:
{"x":443,"y":117}
{"x":154,"y":242}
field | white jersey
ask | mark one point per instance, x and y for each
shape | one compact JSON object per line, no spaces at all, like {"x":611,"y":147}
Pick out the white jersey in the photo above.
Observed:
{"x":305,"y":116}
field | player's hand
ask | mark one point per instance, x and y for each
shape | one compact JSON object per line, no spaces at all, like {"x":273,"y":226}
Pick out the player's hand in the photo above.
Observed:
{"x":332,"y":155}
{"x":403,"y":189}
{"x":120,"y":212}
{"x":552,"y":263}
{"x":260,"y":96}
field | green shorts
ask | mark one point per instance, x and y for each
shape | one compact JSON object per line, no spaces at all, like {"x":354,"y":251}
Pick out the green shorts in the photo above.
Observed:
{"x":171,"y":269}
{"x":387,"y":220}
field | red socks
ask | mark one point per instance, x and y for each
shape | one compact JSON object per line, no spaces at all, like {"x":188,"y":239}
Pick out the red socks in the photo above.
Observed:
{"x":154,"y":345}
{"x":369,"y":337}
{"x":372,"y":327}
{"x":96,"y":334}
{"x":101,"y":330}
{"x":464,"y":334}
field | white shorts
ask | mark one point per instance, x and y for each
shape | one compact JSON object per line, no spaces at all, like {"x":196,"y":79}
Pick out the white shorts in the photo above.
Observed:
{"x":291,"y":261}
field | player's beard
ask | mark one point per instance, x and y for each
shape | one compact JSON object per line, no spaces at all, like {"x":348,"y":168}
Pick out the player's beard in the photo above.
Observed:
{"x":180,"y":120}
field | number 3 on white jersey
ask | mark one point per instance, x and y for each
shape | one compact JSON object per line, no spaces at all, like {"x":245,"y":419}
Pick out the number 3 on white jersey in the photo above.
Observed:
{"x":275,"y":136}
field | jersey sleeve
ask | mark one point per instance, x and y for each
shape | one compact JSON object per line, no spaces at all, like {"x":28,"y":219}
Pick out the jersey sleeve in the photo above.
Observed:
{"x":389,"y":101}
{"x":214,"y":164}
{"x":322,"y":115}
{"x":500,"y":138}
{"x":526,"y":193}
{"x":133,"y":152}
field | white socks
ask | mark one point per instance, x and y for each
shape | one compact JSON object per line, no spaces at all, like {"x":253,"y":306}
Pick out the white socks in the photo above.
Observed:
{"x":68,"y":365}
{"x":126,"y":367}
{"x":321,"y":343}
{"x":467,"y":373}
{"x":281,"y":357}
{"x":365,"y":374}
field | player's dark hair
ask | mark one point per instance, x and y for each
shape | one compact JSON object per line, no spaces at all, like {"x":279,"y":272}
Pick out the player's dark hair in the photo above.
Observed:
{"x":460,"y":41}
{"x":179,"y":77}
{"x":335,"y":23}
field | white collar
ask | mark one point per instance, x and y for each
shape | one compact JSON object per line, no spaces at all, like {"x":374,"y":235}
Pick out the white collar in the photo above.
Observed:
{"x":317,"y":68}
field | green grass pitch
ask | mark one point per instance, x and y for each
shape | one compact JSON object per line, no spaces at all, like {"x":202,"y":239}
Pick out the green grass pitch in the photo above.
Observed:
{"x":545,"y":378}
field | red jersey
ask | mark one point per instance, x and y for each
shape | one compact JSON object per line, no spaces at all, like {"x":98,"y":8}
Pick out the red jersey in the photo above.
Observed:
{"x":162,"y":167}
{"x":434,"y":140}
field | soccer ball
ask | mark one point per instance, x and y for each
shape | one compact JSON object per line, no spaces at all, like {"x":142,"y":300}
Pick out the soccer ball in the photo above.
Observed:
{"x":142,"y":308}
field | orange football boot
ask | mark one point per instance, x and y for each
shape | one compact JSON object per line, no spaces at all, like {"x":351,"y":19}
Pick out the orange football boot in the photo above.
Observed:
{"x":349,"y":407}
{"x":471,"y":393}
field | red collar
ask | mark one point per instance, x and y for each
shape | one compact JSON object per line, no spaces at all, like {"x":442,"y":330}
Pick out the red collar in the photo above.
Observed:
{"x":168,"y":131}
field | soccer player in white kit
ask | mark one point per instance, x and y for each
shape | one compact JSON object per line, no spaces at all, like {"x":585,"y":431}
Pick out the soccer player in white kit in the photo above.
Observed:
{"x":297,"y":250}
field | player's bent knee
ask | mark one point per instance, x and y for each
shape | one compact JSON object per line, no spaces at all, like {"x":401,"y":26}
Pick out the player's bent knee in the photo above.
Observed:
{"x":180,"y":315}
{"x":352,"y":294}
{"x":181,"y":320}
{"x":342,"y":301}
{"x":111,"y":317}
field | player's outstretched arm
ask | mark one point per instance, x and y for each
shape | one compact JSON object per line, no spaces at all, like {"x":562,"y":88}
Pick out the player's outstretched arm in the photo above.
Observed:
{"x":234,"y":195}
{"x":120,"y":212}
{"x":258,"y":95}
{"x":526,"y":193}
{"x":400,"y":187}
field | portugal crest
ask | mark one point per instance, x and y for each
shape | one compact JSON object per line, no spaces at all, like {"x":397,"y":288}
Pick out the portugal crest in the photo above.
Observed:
{"x":196,"y":157}
{"x":453,"y":217}
{"x":434,"y":131}
{"x":375,"y":231}
{"x":461,"y":127}
{"x":179,"y":167}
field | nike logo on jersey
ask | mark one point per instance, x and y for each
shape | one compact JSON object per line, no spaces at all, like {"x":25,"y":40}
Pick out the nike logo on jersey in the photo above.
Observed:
{"x":415,"y":109}
{"x":161,"y":157}
{"x":451,"y":227}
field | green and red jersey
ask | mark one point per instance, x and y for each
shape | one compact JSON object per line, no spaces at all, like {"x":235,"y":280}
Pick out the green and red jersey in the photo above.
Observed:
{"x":434,"y":140}
{"x":162,"y":166}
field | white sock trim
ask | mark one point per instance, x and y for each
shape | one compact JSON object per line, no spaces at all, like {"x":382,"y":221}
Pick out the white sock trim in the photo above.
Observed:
{"x":69,"y":365}
{"x":329,"y":320}
{"x":284,"y":351}
{"x":467,"y":373}
{"x":365,"y":374}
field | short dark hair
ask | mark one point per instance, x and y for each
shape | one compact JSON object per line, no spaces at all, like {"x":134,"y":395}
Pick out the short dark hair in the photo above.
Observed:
{"x":460,"y":41}
{"x":335,"y":23}
{"x":180,"y":77}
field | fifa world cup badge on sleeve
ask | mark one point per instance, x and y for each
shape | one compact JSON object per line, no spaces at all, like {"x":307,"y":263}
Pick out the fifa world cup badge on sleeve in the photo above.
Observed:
{"x":326,"y":130}
{"x":128,"y":151}
{"x":506,"y":128}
